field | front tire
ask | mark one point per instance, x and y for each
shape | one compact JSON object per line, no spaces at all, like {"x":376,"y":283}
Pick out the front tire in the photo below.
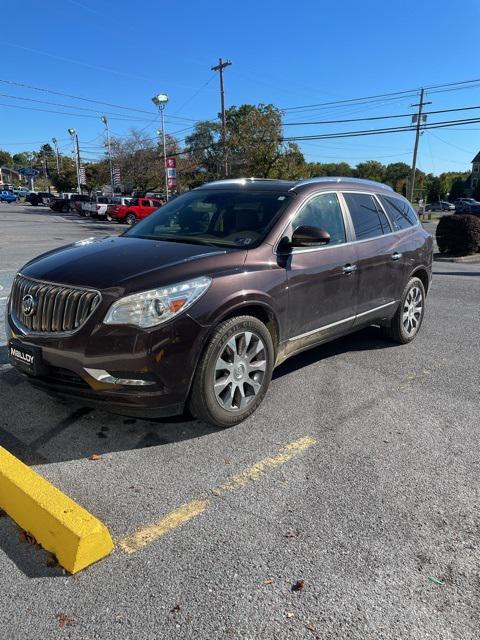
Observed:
{"x":408,"y":318}
{"x":131,"y":219}
{"x":233,"y":373}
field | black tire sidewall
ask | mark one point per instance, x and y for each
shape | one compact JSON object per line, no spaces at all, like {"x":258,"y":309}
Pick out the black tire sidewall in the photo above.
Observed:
{"x":204,"y":403}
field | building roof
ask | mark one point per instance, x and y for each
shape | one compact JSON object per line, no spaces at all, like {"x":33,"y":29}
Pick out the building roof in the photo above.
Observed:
{"x":476,"y":158}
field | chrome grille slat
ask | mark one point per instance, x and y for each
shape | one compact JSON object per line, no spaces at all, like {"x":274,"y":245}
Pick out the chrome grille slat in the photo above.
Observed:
{"x":59,"y":308}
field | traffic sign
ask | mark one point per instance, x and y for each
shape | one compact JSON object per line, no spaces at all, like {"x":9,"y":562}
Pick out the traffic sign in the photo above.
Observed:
{"x":29,"y":172}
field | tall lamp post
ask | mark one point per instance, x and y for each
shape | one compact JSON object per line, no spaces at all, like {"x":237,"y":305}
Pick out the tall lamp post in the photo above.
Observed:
{"x":76,"y":150}
{"x":55,"y":144}
{"x":160,"y":101}
{"x":104,"y":119}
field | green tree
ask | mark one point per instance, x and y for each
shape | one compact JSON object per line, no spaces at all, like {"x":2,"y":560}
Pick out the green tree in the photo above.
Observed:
{"x":5,"y":159}
{"x":371,"y":170}
{"x":457,"y":190}
{"x":396,"y":175}
{"x":66,"y":180}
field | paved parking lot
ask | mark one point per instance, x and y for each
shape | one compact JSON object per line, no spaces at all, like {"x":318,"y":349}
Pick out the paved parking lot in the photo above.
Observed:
{"x":346,"y":507}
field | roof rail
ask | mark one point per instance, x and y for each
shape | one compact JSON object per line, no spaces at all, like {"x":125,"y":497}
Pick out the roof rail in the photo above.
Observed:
{"x":337,"y":179}
{"x":242,"y":180}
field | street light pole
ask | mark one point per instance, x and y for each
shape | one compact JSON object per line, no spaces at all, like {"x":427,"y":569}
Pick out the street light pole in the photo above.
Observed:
{"x":76,"y":151}
{"x":55,"y":142}
{"x":104,"y":119}
{"x":160,"y":101}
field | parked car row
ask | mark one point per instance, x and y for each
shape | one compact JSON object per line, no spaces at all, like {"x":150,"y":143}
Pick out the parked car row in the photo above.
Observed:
{"x":122,"y":209}
{"x":467,"y":205}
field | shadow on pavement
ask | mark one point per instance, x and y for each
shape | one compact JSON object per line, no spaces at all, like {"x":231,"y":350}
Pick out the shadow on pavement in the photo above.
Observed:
{"x":41,"y":429}
{"x":31,"y":559}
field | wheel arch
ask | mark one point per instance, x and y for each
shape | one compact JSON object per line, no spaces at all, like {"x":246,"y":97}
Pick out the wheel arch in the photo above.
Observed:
{"x":422,"y":274}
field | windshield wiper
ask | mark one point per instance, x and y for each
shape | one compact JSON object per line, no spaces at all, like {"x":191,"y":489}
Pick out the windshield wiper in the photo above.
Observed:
{"x":184,"y":239}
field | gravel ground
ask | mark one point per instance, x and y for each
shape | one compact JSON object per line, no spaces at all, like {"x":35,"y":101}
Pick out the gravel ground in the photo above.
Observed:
{"x":379,"y":518}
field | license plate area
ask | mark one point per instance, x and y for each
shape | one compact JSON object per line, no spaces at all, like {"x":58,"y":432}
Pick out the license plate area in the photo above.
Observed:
{"x":26,"y":357}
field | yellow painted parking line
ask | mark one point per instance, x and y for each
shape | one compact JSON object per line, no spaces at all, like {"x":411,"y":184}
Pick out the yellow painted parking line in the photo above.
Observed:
{"x":261,"y":467}
{"x":174,"y":519}
{"x":56,"y":522}
{"x":142,"y":537}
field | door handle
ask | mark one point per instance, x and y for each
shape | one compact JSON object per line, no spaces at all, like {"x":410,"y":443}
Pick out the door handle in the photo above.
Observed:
{"x":396,"y":255}
{"x":349,"y":268}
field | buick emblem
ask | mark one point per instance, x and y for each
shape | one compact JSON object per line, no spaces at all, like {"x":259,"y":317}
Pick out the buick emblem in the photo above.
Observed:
{"x":29,"y":305}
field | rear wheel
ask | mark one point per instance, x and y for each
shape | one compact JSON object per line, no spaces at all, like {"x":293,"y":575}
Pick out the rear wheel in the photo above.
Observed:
{"x":131,"y":219}
{"x":408,"y":318}
{"x":234,"y":372}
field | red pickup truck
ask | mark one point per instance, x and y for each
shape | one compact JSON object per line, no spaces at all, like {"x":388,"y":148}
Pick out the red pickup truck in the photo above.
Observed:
{"x":137,"y":209}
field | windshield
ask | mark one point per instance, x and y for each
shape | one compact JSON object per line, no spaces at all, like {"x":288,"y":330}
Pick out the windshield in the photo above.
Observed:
{"x":225,"y":218}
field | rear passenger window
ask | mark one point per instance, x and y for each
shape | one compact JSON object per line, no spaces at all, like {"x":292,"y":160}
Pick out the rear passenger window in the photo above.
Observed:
{"x":368,"y":221}
{"x":323,"y":211}
{"x":399,"y":211}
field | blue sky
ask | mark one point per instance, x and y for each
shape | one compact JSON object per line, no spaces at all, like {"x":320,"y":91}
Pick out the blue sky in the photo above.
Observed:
{"x":286,"y":53}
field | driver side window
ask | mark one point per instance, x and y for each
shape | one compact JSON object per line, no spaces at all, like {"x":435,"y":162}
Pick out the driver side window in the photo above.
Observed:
{"x":323,"y":211}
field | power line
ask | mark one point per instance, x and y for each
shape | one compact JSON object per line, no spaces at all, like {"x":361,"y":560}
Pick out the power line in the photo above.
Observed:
{"x":387,"y":95}
{"x":389,"y":117}
{"x":367,"y":132}
{"x":74,"y":97}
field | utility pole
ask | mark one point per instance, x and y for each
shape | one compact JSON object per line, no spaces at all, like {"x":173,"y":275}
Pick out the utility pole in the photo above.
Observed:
{"x":55,"y":143}
{"x":419,"y":116}
{"x":76,"y":150}
{"x":104,"y":119}
{"x":222,"y":64}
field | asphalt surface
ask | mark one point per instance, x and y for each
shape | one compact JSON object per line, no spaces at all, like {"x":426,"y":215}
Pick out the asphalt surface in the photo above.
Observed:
{"x":379,"y":518}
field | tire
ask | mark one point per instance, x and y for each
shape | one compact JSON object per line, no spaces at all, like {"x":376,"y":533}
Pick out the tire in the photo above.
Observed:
{"x":398,"y":330}
{"x":252,"y":372}
{"x":130,"y":219}
{"x":65,"y":208}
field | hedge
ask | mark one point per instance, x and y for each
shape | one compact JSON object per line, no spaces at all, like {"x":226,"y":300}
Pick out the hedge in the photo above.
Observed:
{"x":459,"y":234}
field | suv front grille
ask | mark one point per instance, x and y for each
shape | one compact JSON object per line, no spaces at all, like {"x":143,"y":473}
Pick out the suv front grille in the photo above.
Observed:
{"x":56,"y":307}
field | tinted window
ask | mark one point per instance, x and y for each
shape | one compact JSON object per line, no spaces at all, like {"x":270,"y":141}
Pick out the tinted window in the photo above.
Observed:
{"x":399,"y":211}
{"x":217,"y":216}
{"x":324,"y":212}
{"x":368,"y":221}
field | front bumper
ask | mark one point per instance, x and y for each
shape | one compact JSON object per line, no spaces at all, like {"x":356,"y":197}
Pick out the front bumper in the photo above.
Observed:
{"x":162,"y":360}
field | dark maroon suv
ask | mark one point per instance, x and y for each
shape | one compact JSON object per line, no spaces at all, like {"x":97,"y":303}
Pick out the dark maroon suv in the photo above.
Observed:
{"x":194,"y":306}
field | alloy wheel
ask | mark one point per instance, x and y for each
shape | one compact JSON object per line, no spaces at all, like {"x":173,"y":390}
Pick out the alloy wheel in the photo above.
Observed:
{"x":239,"y":371}
{"x":412,"y":310}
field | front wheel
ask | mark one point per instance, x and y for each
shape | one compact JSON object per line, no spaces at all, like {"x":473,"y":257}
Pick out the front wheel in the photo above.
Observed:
{"x":408,"y":318}
{"x":234,"y":372}
{"x":131,"y":219}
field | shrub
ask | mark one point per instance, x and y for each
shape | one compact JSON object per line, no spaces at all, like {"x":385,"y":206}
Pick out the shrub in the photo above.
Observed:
{"x":459,"y":234}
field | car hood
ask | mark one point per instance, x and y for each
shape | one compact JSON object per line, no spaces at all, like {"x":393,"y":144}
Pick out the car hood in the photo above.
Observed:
{"x":129,"y":264}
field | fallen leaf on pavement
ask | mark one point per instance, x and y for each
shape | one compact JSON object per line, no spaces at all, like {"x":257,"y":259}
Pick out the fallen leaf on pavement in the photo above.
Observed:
{"x":268,"y":581}
{"x":290,"y":614}
{"x":95,"y":456}
{"x":292,"y":533}
{"x":26,"y":537}
{"x":310,"y":627}
{"x":52,"y":561}
{"x":64,"y":620}
{"x":299,"y":585}
{"x":175,"y":609}
{"x":436,"y":581}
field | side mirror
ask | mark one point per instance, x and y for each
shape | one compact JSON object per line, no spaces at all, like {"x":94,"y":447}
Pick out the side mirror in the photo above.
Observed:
{"x":306,"y":236}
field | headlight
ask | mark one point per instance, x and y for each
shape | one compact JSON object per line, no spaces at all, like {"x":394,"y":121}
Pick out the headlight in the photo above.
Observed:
{"x":150,"y":308}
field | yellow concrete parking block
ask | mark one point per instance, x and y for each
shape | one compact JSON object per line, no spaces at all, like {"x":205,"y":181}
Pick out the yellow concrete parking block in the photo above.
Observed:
{"x":57,"y":523}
